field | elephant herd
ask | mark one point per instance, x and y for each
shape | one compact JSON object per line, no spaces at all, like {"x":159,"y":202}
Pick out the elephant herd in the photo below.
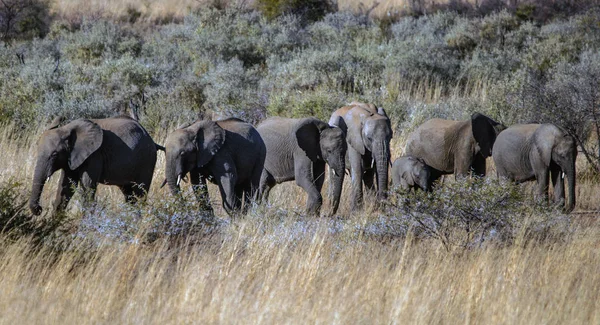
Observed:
{"x":245,"y":162}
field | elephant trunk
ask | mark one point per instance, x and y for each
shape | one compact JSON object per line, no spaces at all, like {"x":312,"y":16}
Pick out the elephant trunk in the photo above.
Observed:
{"x":570,"y":171}
{"x":173,"y":174}
{"x":424,"y":176}
{"x":335,"y":184}
{"x":39,"y":180}
{"x":382,"y":160}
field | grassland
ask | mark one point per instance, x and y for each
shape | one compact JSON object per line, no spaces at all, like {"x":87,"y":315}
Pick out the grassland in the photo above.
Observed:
{"x":165,"y":261}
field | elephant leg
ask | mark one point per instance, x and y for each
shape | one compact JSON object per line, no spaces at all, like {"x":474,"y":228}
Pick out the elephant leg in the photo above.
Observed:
{"x":369,"y":179}
{"x":319,"y":174}
{"x":542,"y":184}
{"x":200,"y":190}
{"x":65,"y":192}
{"x":303,"y":171}
{"x":225,"y":174}
{"x":558,"y":183}
{"x":89,"y":180}
{"x":267,"y":181}
{"x":356,"y":173}
{"x":368,"y":176}
{"x":478,"y":167}
{"x":255,"y":181}
{"x":127,"y":191}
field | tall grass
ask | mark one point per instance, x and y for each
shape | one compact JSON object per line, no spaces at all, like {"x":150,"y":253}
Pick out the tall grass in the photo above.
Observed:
{"x":260,"y":270}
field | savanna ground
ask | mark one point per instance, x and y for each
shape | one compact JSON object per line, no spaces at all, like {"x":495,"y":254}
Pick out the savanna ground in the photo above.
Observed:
{"x":475,"y":251}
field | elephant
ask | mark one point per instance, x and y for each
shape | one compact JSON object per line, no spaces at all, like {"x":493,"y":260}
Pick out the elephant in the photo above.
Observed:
{"x":411,"y":173}
{"x":299,"y":149}
{"x":230,"y":153}
{"x":368,"y":134}
{"x":526,"y":152}
{"x":112,"y":151}
{"x":454,"y":146}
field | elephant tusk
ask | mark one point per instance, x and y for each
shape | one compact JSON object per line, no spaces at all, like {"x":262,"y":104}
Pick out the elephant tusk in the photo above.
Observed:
{"x":346,"y":171}
{"x":178,"y":179}
{"x":372,"y":162}
{"x":163,"y":183}
{"x":47,"y":179}
{"x":334,"y":172}
{"x":562,"y":175}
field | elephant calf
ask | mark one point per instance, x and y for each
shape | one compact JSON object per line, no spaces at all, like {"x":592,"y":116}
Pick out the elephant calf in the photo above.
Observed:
{"x":299,"y":149}
{"x":230,"y":153}
{"x":411,"y":173}
{"x":113,"y":151}
{"x":536,"y":151}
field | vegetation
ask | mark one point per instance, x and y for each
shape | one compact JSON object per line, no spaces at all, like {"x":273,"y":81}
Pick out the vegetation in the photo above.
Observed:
{"x":471,"y":251}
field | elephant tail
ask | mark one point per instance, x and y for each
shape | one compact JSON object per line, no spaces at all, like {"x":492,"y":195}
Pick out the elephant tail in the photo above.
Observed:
{"x":159,"y":147}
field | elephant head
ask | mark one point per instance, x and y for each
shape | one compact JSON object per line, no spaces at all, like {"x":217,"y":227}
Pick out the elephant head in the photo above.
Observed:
{"x":331,"y":148}
{"x":368,"y":131}
{"x":191,"y":147}
{"x":485,"y":130}
{"x":65,"y":147}
{"x":417,"y":173}
{"x":563,"y":152}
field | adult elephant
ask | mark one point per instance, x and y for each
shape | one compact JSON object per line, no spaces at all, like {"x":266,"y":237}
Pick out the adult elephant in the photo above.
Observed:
{"x":368,"y":134}
{"x":457,"y":147}
{"x":230,"y":153}
{"x":112,"y":151}
{"x":299,"y":149}
{"x":536,"y":151}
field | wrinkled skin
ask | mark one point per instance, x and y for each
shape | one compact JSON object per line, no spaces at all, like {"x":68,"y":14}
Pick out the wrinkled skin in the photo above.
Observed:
{"x":368,"y":134}
{"x":113,"y":151}
{"x":299,"y":149}
{"x":411,"y":173}
{"x":458,"y":147}
{"x":528,"y":152}
{"x":230,"y":153}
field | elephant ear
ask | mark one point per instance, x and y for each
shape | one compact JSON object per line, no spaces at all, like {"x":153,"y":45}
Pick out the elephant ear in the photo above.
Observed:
{"x":409,"y":177}
{"x":308,"y":133}
{"x":85,"y":138}
{"x":484,"y":133}
{"x":210,"y":137}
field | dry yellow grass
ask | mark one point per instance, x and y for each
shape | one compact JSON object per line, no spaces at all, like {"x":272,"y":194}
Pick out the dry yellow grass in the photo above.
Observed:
{"x":153,"y":10}
{"x":257,"y":275}
{"x":261,"y":269}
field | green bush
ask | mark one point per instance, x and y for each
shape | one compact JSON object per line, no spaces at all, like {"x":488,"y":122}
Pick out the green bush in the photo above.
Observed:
{"x":16,"y":221}
{"x":310,"y":10}
{"x":473,"y":211}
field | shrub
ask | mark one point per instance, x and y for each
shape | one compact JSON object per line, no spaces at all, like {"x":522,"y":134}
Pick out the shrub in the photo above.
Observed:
{"x":472,"y":211}
{"x":24,"y":19}
{"x":16,"y":221}
{"x":310,"y":10}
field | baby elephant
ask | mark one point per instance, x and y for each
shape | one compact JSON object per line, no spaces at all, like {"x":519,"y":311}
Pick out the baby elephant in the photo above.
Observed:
{"x":411,"y":173}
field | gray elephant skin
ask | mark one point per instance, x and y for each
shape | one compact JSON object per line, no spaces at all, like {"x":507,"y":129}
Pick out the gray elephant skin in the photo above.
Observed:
{"x":230,"y":153}
{"x":368,"y":134}
{"x":457,"y":147}
{"x":411,"y":173}
{"x":528,"y":152}
{"x":299,"y":149}
{"x":112,"y":151}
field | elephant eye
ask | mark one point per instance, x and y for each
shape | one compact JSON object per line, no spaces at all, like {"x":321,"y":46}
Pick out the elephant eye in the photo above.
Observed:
{"x":54,"y":154}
